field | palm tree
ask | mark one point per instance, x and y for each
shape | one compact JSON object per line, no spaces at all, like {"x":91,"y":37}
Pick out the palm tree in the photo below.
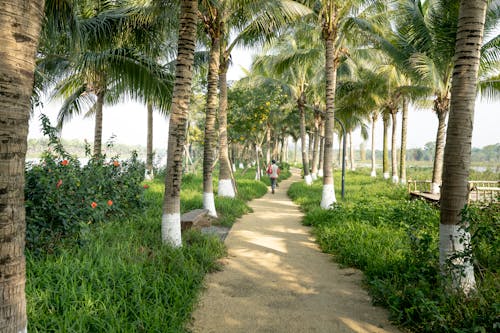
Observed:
{"x":333,"y":17}
{"x":295,"y":63}
{"x":453,"y":233}
{"x":107,"y":63}
{"x":211,"y":22}
{"x":171,"y":224}
{"x":228,"y":24}
{"x":20,"y":25}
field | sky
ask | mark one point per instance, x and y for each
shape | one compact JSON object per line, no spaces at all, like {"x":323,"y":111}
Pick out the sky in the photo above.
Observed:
{"x":128,"y":121}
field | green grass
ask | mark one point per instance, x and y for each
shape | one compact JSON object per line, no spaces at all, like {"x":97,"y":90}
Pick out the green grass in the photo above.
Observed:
{"x":122,"y":278}
{"x":395,"y":242}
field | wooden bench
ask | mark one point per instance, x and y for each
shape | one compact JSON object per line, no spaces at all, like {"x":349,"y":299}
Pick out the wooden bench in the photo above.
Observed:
{"x":196,"y":219}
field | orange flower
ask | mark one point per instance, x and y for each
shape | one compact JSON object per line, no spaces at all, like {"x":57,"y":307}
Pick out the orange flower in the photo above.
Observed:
{"x":93,"y":204}
{"x":59,"y":183}
{"x":110,"y":202}
{"x":116,"y":163}
{"x":146,"y":186}
{"x":64,"y":162}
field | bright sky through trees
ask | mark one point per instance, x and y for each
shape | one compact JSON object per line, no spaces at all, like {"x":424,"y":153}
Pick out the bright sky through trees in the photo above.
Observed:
{"x":128,"y":121}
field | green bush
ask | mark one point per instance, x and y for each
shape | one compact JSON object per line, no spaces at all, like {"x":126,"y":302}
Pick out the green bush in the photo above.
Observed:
{"x":395,"y":242}
{"x":62,"y":197}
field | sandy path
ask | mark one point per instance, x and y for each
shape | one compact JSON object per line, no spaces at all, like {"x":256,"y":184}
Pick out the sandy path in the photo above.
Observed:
{"x":276,"y":279}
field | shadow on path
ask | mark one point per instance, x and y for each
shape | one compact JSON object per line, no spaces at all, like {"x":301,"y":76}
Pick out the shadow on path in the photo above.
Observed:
{"x":275,"y":279}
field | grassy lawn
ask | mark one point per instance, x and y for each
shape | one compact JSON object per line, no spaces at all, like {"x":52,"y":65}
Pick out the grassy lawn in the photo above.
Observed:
{"x":395,"y":242}
{"x":121,"y":278}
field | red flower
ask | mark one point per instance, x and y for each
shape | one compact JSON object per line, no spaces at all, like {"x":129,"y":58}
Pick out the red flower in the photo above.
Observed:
{"x":93,"y":204}
{"x":146,"y":186}
{"x":116,"y":163}
{"x":59,"y":183}
{"x":64,"y":162}
{"x":110,"y":202}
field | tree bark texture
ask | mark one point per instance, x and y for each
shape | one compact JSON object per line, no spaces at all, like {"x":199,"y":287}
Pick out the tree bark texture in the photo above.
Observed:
{"x":329,"y":34}
{"x":457,"y":154}
{"x":20,"y":23}
{"x":225,"y":174}
{"x":374,"y":167}
{"x":385,"y":160}
{"x":178,"y":117}
{"x":210,"y":114}
{"x":98,"y":123}
{"x":441,"y":107}
{"x":404,"y":131}
{"x":315,"y":159}
{"x":303,"y":145}
{"x":394,"y":149}
{"x":149,"y":143}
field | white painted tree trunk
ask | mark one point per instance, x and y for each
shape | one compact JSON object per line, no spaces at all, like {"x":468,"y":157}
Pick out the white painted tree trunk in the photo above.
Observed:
{"x":328,"y":196}
{"x":395,"y":179}
{"x":314,"y":176}
{"x":386,"y":175}
{"x":209,"y":203}
{"x":320,"y":173}
{"x":241,"y":166}
{"x":171,"y":229}
{"x":373,"y":173}
{"x":435,"y":188}
{"x":308,"y":179}
{"x":454,"y":242}
{"x":226,"y":188}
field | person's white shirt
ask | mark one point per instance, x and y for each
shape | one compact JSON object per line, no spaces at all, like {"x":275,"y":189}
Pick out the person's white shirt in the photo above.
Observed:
{"x":274,"y":171}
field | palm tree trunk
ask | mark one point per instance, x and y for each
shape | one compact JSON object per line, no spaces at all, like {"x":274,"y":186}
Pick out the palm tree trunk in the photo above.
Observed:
{"x":321,"y":148}
{"x":362,"y":151}
{"x":226,"y":181}
{"x":385,"y":161}
{"x":404,"y":130}
{"x":295,"y":148}
{"x":351,"y":152}
{"x":282,"y":149}
{"x":257,"y":169}
{"x":315,"y":156}
{"x":20,"y":23}
{"x":441,"y":112}
{"x":305,"y":159}
{"x":98,"y":124}
{"x":453,"y":234}
{"x":171,"y":219}
{"x":149,"y":146}
{"x":374,"y":168}
{"x":328,"y":195}
{"x":210,"y":131}
{"x":394,"y":149}
{"x":310,"y":145}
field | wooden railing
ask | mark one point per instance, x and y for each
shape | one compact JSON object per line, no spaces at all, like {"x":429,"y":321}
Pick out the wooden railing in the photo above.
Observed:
{"x":484,"y":191}
{"x":480,"y":191}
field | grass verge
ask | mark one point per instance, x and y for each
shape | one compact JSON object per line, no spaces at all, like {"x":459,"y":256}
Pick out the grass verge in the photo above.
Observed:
{"x":122,"y":278}
{"x":394,"y":241}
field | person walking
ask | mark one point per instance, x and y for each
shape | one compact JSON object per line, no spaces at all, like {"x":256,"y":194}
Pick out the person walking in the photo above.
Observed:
{"x":273,"y":171}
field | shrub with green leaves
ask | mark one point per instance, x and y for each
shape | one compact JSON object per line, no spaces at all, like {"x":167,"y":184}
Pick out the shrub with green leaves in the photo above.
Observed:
{"x":62,"y":196}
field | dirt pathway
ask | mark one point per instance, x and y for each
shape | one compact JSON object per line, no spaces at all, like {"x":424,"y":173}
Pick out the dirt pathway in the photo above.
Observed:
{"x":276,"y":279}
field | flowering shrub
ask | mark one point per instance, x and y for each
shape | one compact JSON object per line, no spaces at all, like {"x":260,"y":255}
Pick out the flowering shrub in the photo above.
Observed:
{"x":63,"y":197}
